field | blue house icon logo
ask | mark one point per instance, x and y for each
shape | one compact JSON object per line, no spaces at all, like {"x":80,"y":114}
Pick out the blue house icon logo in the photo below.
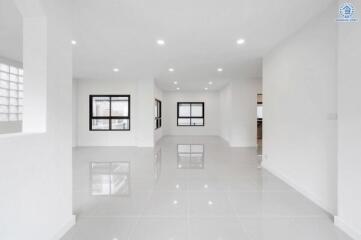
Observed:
{"x":347,"y":13}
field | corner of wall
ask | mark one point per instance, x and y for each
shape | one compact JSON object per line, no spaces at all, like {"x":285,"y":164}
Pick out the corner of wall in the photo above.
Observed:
{"x":309,"y":195}
{"x":353,"y":233}
{"x":64,"y":229}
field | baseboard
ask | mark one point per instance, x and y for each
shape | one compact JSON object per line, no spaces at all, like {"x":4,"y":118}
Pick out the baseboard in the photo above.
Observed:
{"x":353,"y":233}
{"x":299,"y":189}
{"x":65,"y":228}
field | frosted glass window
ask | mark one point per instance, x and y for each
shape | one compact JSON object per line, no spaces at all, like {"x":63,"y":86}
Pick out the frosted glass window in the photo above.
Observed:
{"x":190,"y":114}
{"x":11,"y":91}
{"x":109,"y":112}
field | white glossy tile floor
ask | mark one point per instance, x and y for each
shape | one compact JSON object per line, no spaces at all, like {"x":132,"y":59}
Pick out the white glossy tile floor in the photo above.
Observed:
{"x":188,"y":188}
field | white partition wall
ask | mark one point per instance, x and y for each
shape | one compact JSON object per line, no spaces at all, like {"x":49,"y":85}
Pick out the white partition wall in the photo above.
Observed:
{"x":349,"y":128}
{"x":37,"y":176}
{"x":299,"y":102}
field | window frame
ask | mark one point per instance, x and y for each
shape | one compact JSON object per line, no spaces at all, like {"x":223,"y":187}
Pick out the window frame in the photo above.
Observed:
{"x":158,"y":119}
{"x":190,"y":117}
{"x":110,"y":117}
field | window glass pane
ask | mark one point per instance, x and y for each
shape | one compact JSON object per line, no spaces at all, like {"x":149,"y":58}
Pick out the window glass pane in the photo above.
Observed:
{"x":184,"y":121}
{"x":100,"y":124}
{"x":4,"y":76}
{"x":13,"y":85}
{"x":3,"y":117}
{"x":21,"y":79}
{"x":20,"y":116}
{"x":4,"y":100}
{"x":259,"y":111}
{"x":120,"y":107}
{"x":21,"y":86}
{"x":155,"y":109}
{"x":21,"y":94}
{"x":13,"y":109}
{"x":3,"y":109}
{"x":13,"y":101}
{"x":14,"y":78}
{"x":13,"y":93}
{"x":197,"y":110}
{"x":14,"y":70}
{"x":21,"y":102}
{"x":13,"y":117}
{"x":184,"y":110}
{"x":120,"y":124}
{"x":20,"y":109}
{"x":4,"y":84}
{"x":197,"y":121}
{"x":21,"y":72}
{"x":4,"y":67}
{"x":4,"y":92}
{"x":101,"y":106}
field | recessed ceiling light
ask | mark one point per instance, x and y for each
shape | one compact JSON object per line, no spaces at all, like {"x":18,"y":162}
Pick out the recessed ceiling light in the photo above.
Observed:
{"x":206,"y":88}
{"x":73,"y":42}
{"x":178,"y":90}
{"x":175,"y":82}
{"x":115,"y":69}
{"x":205,"y":186}
{"x":175,"y":202}
{"x":241,"y":41}
{"x":210,"y":203}
{"x":160,"y":42}
{"x":210,"y":82}
{"x":220,"y":69}
{"x":171,"y":69}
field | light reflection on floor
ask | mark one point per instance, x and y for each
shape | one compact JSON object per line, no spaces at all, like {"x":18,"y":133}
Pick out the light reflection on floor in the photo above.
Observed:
{"x":188,"y":188}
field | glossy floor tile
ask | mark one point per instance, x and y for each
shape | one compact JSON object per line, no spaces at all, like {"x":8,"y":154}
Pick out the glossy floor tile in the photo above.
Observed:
{"x":188,"y":188}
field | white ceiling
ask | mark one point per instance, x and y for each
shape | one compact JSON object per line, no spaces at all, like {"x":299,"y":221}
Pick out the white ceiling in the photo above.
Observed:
{"x":200,"y":37}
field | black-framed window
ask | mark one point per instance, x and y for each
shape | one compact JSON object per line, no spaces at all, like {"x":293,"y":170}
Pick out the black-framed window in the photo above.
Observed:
{"x":157,"y":113}
{"x":190,"y":114}
{"x":109,"y":112}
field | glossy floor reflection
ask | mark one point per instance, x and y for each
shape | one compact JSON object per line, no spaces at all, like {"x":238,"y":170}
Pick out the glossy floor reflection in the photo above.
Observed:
{"x":188,"y":188}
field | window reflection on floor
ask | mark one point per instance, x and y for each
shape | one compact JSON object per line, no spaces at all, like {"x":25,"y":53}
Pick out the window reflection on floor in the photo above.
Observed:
{"x":190,"y":156}
{"x":110,"y":178}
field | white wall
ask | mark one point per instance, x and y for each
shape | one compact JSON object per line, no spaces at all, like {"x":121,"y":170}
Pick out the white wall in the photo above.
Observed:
{"x":141,"y":113}
{"x":36,"y":199}
{"x":349,"y":128}
{"x":75,"y":112}
{"x":158,"y":133}
{"x":145,"y":113}
{"x":238,"y":108}
{"x":299,"y":99}
{"x":211,"y":119}
{"x":105,"y":138}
